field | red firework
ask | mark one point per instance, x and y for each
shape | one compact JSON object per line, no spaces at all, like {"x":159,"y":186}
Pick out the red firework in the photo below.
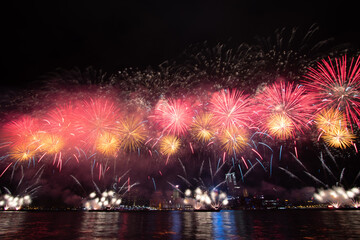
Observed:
{"x":173,"y":116}
{"x":95,"y":117}
{"x":61,"y":121}
{"x":337,"y":86}
{"x":230,"y":107}
{"x":286,"y":100}
{"x":23,"y":128}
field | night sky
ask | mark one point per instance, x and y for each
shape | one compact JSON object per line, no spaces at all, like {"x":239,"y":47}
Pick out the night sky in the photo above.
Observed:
{"x":40,"y":36}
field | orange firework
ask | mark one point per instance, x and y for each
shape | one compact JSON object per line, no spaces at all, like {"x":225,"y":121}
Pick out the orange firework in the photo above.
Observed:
{"x":132,"y":133}
{"x":169,"y":145}
{"x":108,"y":144}
{"x":203,"y":127}
{"x":51,"y":143}
{"x":280,"y":126}
{"x":328,"y":119}
{"x":233,"y":139}
{"x":339,"y":138}
{"x":22,"y":151}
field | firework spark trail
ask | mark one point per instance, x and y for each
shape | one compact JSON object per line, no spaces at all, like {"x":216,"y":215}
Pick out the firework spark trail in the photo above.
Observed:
{"x":331,"y":156}
{"x":6,"y":169}
{"x":78,"y":183}
{"x":154,"y":184}
{"x":174,"y":187}
{"x":219,"y":184}
{"x":290,"y":174}
{"x":326,"y":167}
{"x":314,"y":178}
{"x":264,"y":144}
{"x":271,"y":160}
{"x":242,"y":176}
{"x":261,"y":164}
{"x":211,"y":171}
{"x":185,"y":180}
{"x":248,"y":171}
{"x":217,"y":171}
{"x":243,"y":159}
{"x":22,"y":177}
{"x":183,"y":167}
{"x":297,"y":160}
{"x":341,"y":175}
{"x":257,"y":153}
{"x":202,"y":166}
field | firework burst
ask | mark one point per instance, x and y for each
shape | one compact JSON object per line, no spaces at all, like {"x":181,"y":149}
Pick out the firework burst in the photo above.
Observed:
{"x":233,"y":139}
{"x":284,"y":108}
{"x":132,"y":133}
{"x":280,"y":126}
{"x":108,"y":144}
{"x":328,"y":119}
{"x":337,"y":86}
{"x":174,"y":116}
{"x":203,"y":128}
{"x":338,"y":137}
{"x":95,"y":117}
{"x":169,"y":145}
{"x":230,"y":107}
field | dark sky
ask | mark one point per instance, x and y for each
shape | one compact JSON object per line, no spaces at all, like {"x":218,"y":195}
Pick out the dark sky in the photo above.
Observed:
{"x":40,"y":36}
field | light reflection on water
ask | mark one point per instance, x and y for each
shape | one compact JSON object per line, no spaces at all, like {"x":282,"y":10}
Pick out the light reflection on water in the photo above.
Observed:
{"x":287,"y":224}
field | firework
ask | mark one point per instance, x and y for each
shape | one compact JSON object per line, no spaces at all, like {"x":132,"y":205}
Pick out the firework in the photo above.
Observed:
{"x":233,"y":139}
{"x":23,"y":128}
{"x":203,"y":128}
{"x":328,"y":119}
{"x":9,"y":202}
{"x":338,"y":137}
{"x":287,"y":103}
{"x":132,"y":133}
{"x":96,"y":116}
{"x":280,"y":126}
{"x":169,"y":145}
{"x":337,"y":86}
{"x":230,"y":107}
{"x":105,"y":200}
{"x":22,"y":151}
{"x":108,"y":144}
{"x":174,"y":116}
{"x":51,"y":143}
{"x":337,"y":196}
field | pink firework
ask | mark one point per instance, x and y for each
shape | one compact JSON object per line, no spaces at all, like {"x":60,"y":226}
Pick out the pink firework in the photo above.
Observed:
{"x":287,"y":100}
{"x":230,"y":107}
{"x":337,"y":86}
{"x":173,"y":116}
{"x":61,"y":121}
{"x":25,"y":127}
{"x":94,"y":117}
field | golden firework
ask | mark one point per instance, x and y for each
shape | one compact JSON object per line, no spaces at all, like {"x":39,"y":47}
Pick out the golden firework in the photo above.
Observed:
{"x":338,"y":137}
{"x":22,"y":151}
{"x":280,"y":126}
{"x":132,"y":133}
{"x":203,"y":128}
{"x":233,"y":139}
{"x":50,"y":143}
{"x":169,"y":145}
{"x":328,"y":119}
{"x":108,"y":144}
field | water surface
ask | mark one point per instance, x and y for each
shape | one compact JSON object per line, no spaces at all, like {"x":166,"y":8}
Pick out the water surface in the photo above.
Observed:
{"x":259,"y":224}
